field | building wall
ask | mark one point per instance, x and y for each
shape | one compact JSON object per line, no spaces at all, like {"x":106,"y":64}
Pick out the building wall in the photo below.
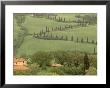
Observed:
{"x":21,"y":63}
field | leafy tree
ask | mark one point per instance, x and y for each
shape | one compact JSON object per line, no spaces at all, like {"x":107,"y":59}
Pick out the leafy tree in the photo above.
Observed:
{"x":42,"y":58}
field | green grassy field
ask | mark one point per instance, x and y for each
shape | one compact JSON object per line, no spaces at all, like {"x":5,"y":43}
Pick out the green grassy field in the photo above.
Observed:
{"x":31,"y":45}
{"x":35,"y":45}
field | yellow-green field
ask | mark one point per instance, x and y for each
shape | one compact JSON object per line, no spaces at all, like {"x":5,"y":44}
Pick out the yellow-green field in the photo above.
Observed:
{"x":33,"y":25}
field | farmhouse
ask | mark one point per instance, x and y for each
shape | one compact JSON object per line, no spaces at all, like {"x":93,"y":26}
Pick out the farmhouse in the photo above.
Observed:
{"x":20,"y":64}
{"x":56,"y":65}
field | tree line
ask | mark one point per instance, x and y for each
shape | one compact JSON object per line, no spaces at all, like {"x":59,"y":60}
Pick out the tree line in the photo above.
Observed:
{"x":20,"y":35}
{"x":80,"y":20}
{"x":47,"y":35}
{"x":86,"y":20}
{"x":73,"y":63}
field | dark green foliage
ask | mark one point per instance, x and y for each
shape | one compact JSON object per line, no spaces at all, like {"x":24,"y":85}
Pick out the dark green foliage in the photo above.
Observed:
{"x":86,"y":62}
{"x":20,"y":19}
{"x":64,"y":19}
{"x":92,"y":41}
{"x":78,"y":16}
{"x":94,"y":51}
{"x":51,"y":36}
{"x":91,"y":71}
{"x":70,"y":70}
{"x":72,"y":38}
{"x":87,"y":40}
{"x":34,"y":69}
{"x":86,"y":20}
{"x":62,"y":38}
{"x":91,"y":19}
{"x":52,"y":28}
{"x":77,"y":40}
{"x":56,"y":37}
{"x":66,"y":38}
{"x":76,"y":63}
{"x":42,"y":58}
{"x":82,"y":40}
{"x":73,"y":63}
{"x":20,"y":38}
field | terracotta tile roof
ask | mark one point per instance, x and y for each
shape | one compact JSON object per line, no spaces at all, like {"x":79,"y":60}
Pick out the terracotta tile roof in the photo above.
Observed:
{"x":56,"y":65}
{"x":19,"y":60}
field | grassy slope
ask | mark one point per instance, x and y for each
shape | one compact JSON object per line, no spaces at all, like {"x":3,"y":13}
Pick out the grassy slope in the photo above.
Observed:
{"x":81,"y":32}
{"x":34,"y":24}
{"x":32,"y":45}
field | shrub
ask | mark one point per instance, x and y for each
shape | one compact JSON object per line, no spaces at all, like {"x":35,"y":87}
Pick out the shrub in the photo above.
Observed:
{"x":91,"y":71}
{"x":34,"y":68}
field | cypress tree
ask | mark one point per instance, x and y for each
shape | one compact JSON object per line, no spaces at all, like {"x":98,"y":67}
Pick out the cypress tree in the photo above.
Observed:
{"x":77,"y":39}
{"x":55,"y":17}
{"x":42,"y":30}
{"x":52,"y":28}
{"x":61,"y":37}
{"x":87,"y":40}
{"x":64,"y":19}
{"x":46,"y":28}
{"x":56,"y":37}
{"x":59,"y":19}
{"x":66,"y":38}
{"x":71,"y":38}
{"x":34,"y":34}
{"x":44,"y":34}
{"x":92,"y":41}
{"x":51,"y":36}
{"x":94,"y":50}
{"x":82,"y":40}
{"x":86,"y":62}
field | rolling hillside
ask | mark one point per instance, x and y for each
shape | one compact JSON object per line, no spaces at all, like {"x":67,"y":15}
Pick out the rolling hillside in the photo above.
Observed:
{"x":35,"y":25}
{"x":56,"y":43}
